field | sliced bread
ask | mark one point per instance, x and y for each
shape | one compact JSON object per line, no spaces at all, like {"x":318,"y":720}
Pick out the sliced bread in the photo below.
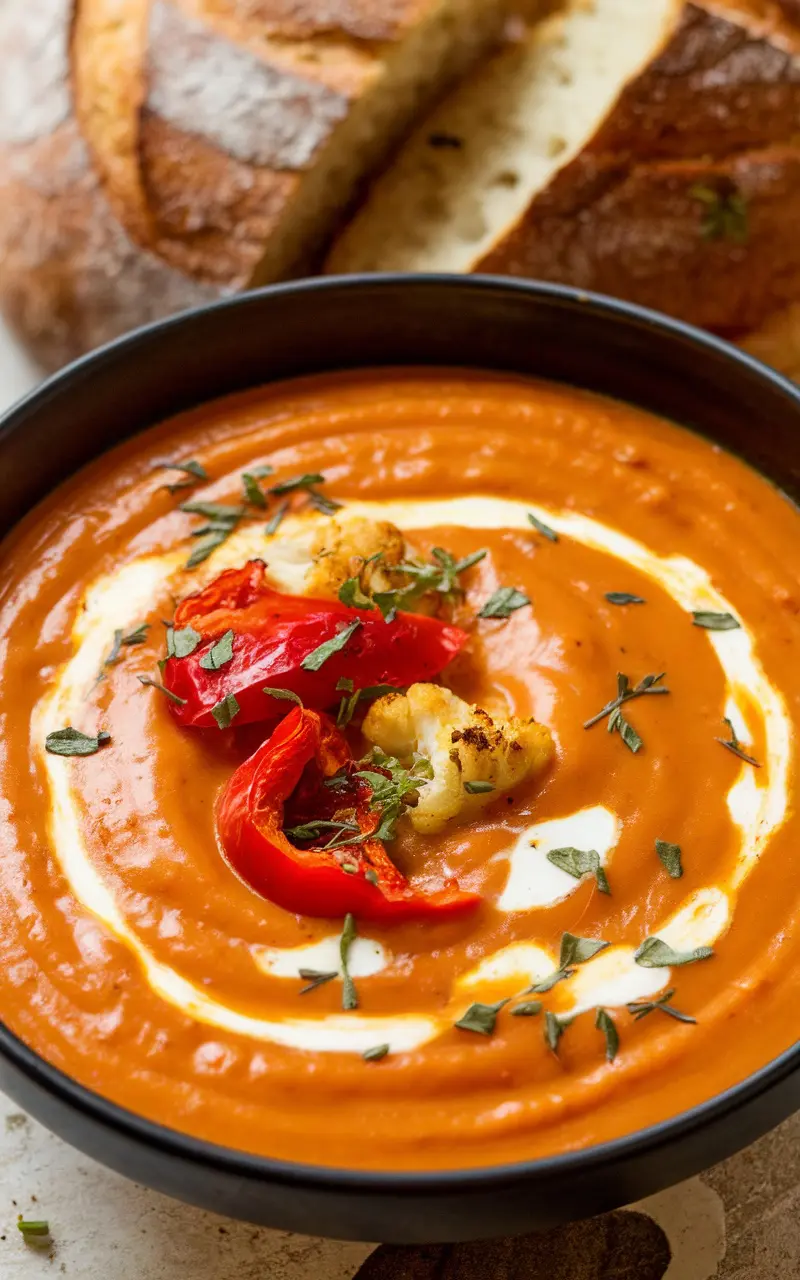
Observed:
{"x":648,"y":150}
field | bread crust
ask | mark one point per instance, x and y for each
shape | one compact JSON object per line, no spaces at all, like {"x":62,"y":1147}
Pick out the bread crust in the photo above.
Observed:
{"x":718,"y":106}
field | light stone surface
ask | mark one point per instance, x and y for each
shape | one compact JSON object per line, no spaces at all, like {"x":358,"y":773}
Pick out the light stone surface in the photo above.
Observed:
{"x":741,"y":1221}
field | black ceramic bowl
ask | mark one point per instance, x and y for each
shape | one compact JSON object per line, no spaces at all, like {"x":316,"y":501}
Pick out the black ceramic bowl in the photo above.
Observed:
{"x":309,"y":327}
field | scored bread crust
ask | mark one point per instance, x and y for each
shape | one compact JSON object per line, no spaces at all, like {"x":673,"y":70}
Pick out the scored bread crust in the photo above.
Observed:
{"x":711,"y":110}
{"x":717,"y":109}
{"x":155,"y":154}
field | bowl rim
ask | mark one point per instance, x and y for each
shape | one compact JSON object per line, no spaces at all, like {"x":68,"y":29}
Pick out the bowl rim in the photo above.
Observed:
{"x":445,"y":1180}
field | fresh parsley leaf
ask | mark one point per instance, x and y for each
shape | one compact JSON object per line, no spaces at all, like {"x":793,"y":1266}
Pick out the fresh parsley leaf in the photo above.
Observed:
{"x":735,"y":746}
{"x":349,"y":702}
{"x":391,"y":795}
{"x":480,"y":1018}
{"x":224,"y":520}
{"x":274,"y":522}
{"x":350,"y":593}
{"x":623,"y":597}
{"x":478,"y":788}
{"x":554,"y":1028}
{"x":527,"y":1010}
{"x":605,"y":1023}
{"x":285,"y":695}
{"x":542,"y":528}
{"x":315,"y":978}
{"x":219,"y":654}
{"x":715,"y":621}
{"x":154,"y":684}
{"x":580,"y":862}
{"x":656,"y":954}
{"x":375,"y":1054}
{"x":504,"y":602}
{"x":226,"y":711}
{"x":297,"y":482}
{"x":576,"y":950}
{"x":316,"y":659}
{"x":670,"y":855}
{"x":71,"y":742}
{"x":641,"y":1008}
{"x":349,"y":994}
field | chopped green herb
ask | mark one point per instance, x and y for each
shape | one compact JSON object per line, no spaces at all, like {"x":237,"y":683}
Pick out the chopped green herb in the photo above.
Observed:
{"x":542,"y":528}
{"x":285,"y":695}
{"x":527,"y":1010}
{"x":391,"y":795}
{"x":315,"y":978}
{"x":576,"y":950}
{"x":349,"y":994}
{"x":579,"y":863}
{"x":274,"y":522}
{"x":439,"y":574}
{"x":350,"y":593}
{"x":715,"y":621}
{"x":322,"y":503}
{"x":349,"y":702}
{"x":253,"y":493}
{"x":226,"y":711}
{"x":34,"y":1233}
{"x":546,"y":984}
{"x":478,"y":788}
{"x":219,"y":654}
{"x":221,"y":512}
{"x":605,"y":1023}
{"x":656,"y":954}
{"x":554,"y":1028}
{"x":725,"y":215}
{"x":297,"y":482}
{"x":190,"y":468}
{"x":480,"y":1018}
{"x":316,"y":659}
{"x":624,"y":597}
{"x":71,"y":742}
{"x":318,"y":826}
{"x":375,"y":1054}
{"x":641,"y":1008}
{"x":154,"y":684}
{"x":183,"y":642}
{"x":670,"y":855}
{"x":137,"y":636}
{"x":735,"y":746}
{"x":504,"y":602}
{"x":617,"y":723}
{"x":649,"y":684}
{"x":224,"y":520}
{"x":371,"y":875}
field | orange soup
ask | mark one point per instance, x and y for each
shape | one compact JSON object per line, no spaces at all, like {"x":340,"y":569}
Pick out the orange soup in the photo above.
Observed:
{"x":399,"y":771}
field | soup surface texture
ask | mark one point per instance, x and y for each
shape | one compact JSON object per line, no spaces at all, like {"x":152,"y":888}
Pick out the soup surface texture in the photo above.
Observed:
{"x":624,"y":558}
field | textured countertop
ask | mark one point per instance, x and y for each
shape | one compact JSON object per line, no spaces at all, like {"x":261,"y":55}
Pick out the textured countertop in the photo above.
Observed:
{"x":741,"y":1221}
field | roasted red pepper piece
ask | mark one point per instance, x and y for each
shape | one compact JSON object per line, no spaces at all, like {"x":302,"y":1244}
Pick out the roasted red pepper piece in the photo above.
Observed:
{"x":291,"y":767}
{"x":274,"y":632}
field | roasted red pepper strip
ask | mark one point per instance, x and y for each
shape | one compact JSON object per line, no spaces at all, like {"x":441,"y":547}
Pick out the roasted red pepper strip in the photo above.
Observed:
{"x":274,"y":632}
{"x":291,"y":766}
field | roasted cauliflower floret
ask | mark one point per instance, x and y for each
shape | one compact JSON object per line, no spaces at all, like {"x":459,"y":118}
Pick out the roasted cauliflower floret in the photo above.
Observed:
{"x":344,"y":548}
{"x":464,"y":745}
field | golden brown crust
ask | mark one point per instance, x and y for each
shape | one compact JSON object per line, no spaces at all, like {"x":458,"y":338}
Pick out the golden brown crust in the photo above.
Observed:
{"x":364,"y":20}
{"x":717,"y":107}
{"x":648,"y":235}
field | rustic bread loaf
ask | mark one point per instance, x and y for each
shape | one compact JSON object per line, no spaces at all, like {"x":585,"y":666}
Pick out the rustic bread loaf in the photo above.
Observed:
{"x":158,"y":153}
{"x":647,"y":150}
